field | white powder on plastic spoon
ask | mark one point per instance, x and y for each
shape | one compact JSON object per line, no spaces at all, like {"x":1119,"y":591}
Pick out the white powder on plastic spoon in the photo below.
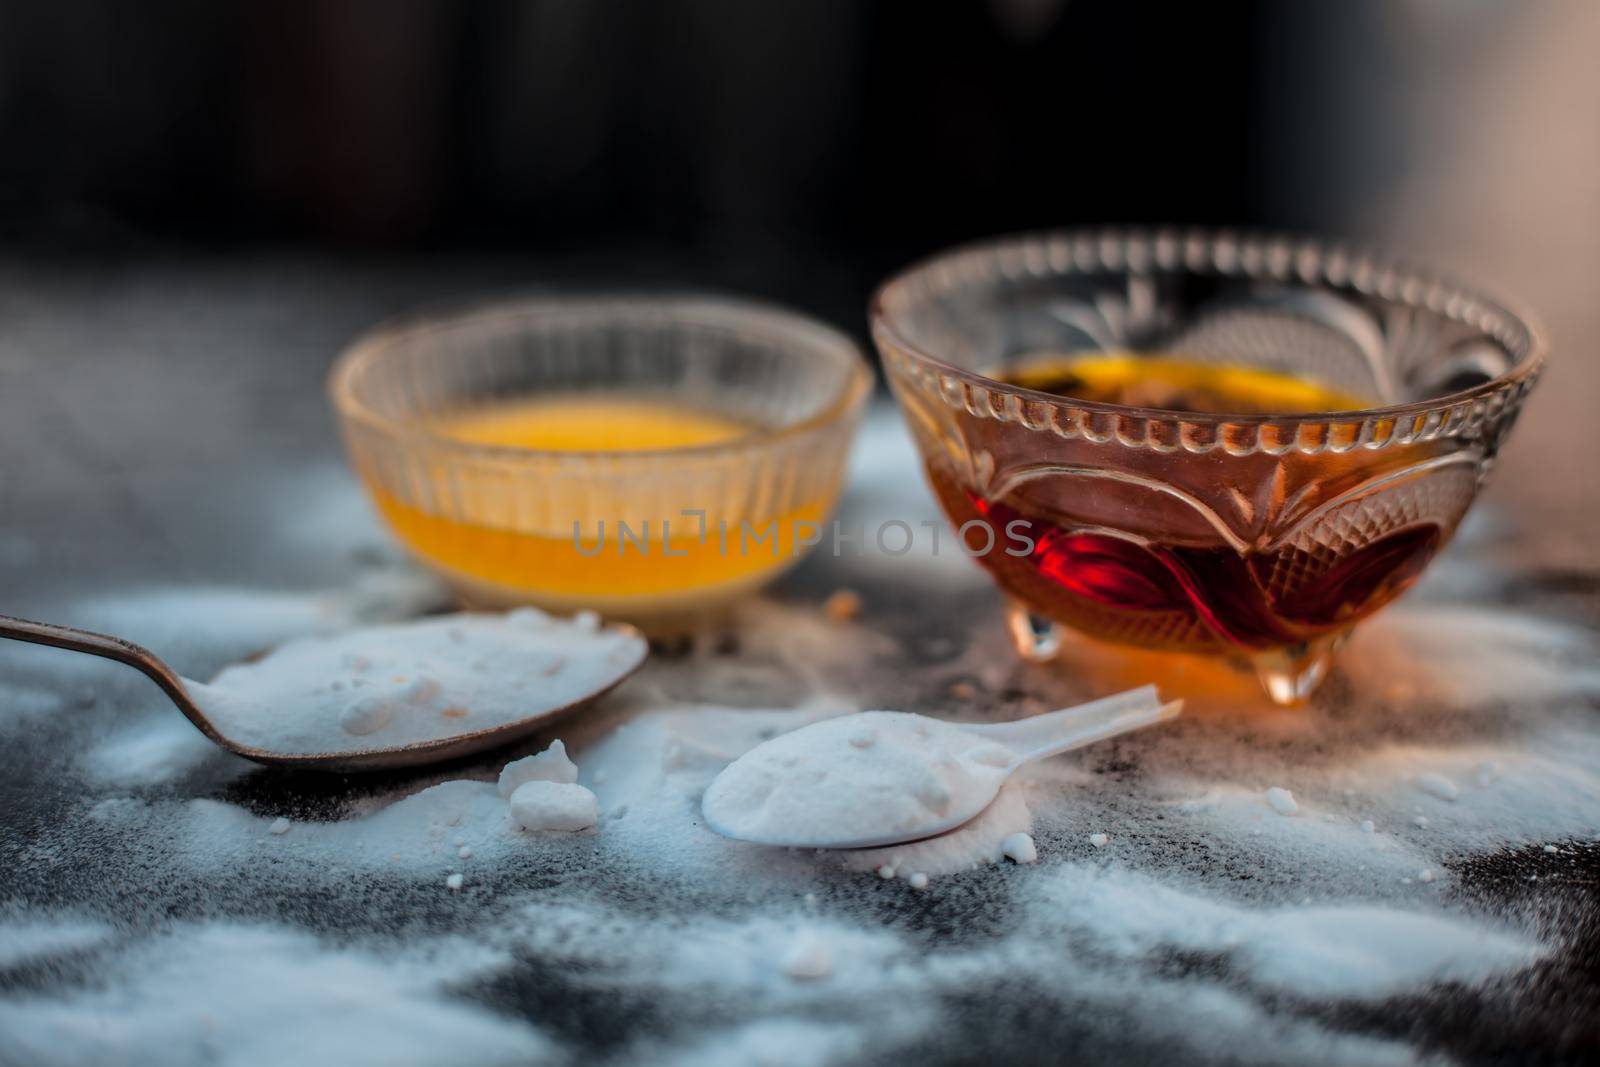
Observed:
{"x":437,"y":677}
{"x":858,"y":778}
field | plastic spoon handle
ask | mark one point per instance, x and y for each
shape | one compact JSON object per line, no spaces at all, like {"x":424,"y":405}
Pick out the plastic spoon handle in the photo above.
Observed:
{"x":1025,"y":735}
{"x":1116,"y":724}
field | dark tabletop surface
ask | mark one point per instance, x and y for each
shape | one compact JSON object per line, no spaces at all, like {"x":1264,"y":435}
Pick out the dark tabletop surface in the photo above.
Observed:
{"x":164,"y":428}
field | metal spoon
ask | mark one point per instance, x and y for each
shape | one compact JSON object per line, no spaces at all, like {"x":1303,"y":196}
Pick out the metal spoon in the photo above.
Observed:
{"x":1027,"y":740}
{"x":371,"y":759}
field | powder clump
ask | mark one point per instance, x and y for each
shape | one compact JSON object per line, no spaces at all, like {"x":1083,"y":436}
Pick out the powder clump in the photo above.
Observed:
{"x":1281,"y":800}
{"x":367,"y":715}
{"x":551,"y":765}
{"x":545,"y":805}
{"x":1438,"y":785}
{"x":1019,"y":848}
{"x":808,"y":959}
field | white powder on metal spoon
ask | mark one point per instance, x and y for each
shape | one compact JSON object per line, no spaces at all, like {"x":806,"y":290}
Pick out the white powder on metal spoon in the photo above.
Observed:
{"x":857,"y":778}
{"x":437,"y":677}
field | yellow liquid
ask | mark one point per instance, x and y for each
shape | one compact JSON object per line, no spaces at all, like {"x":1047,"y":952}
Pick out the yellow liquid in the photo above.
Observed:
{"x":549,"y":565}
{"x":1173,"y":383}
{"x":591,"y":424}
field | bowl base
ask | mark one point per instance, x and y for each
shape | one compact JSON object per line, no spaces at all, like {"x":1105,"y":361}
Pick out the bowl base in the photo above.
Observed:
{"x":656,"y":614}
{"x":1288,"y":676}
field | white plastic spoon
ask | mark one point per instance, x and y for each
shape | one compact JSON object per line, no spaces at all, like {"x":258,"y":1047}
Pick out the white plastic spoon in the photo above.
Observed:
{"x":884,"y":777}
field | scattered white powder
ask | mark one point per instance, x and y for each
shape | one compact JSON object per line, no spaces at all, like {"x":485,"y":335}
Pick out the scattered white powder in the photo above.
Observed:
{"x":649,"y":774}
{"x":20,"y":702}
{"x":419,"y":681}
{"x":1099,"y":840}
{"x":977,"y":843}
{"x":415,"y":833}
{"x":1438,"y":785}
{"x":202,"y":627}
{"x":775,"y":1042}
{"x":1019,"y":848}
{"x":544,"y":805}
{"x":1494,"y":701}
{"x":1470,"y":657}
{"x":1281,"y":801}
{"x":246,"y":996}
{"x":808,"y":958}
{"x":157,"y":749}
{"x":27,"y":938}
{"x":697,"y":963}
{"x":858,"y":778}
{"x":1355,"y":951}
{"x":551,"y":765}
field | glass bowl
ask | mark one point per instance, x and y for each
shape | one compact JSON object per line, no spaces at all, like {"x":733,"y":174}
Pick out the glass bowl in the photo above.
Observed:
{"x":641,"y":533}
{"x":1261,"y":537}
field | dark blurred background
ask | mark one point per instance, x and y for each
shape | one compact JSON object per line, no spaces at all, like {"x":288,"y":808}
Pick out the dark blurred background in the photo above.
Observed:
{"x":712,"y":128}
{"x":815,"y":144}
{"x":796,"y":150}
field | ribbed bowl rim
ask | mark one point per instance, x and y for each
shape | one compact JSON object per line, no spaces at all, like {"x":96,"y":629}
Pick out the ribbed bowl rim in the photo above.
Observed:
{"x":780,"y":324}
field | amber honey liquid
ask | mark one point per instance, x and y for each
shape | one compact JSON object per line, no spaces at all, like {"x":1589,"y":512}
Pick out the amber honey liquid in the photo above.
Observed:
{"x":597,"y":566}
{"x":1137,"y":565}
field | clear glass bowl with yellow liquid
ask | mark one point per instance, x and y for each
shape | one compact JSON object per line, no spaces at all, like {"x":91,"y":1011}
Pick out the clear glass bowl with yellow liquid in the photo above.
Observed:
{"x":1198,"y":442}
{"x":643,"y":457}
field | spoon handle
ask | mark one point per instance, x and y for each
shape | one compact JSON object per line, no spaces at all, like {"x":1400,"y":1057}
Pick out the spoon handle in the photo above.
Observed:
{"x":1112,"y":725}
{"x":1024,"y":735}
{"x":107,"y":647}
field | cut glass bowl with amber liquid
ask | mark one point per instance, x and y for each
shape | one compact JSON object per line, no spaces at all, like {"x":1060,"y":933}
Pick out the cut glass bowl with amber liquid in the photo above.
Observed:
{"x":1198,"y":442}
